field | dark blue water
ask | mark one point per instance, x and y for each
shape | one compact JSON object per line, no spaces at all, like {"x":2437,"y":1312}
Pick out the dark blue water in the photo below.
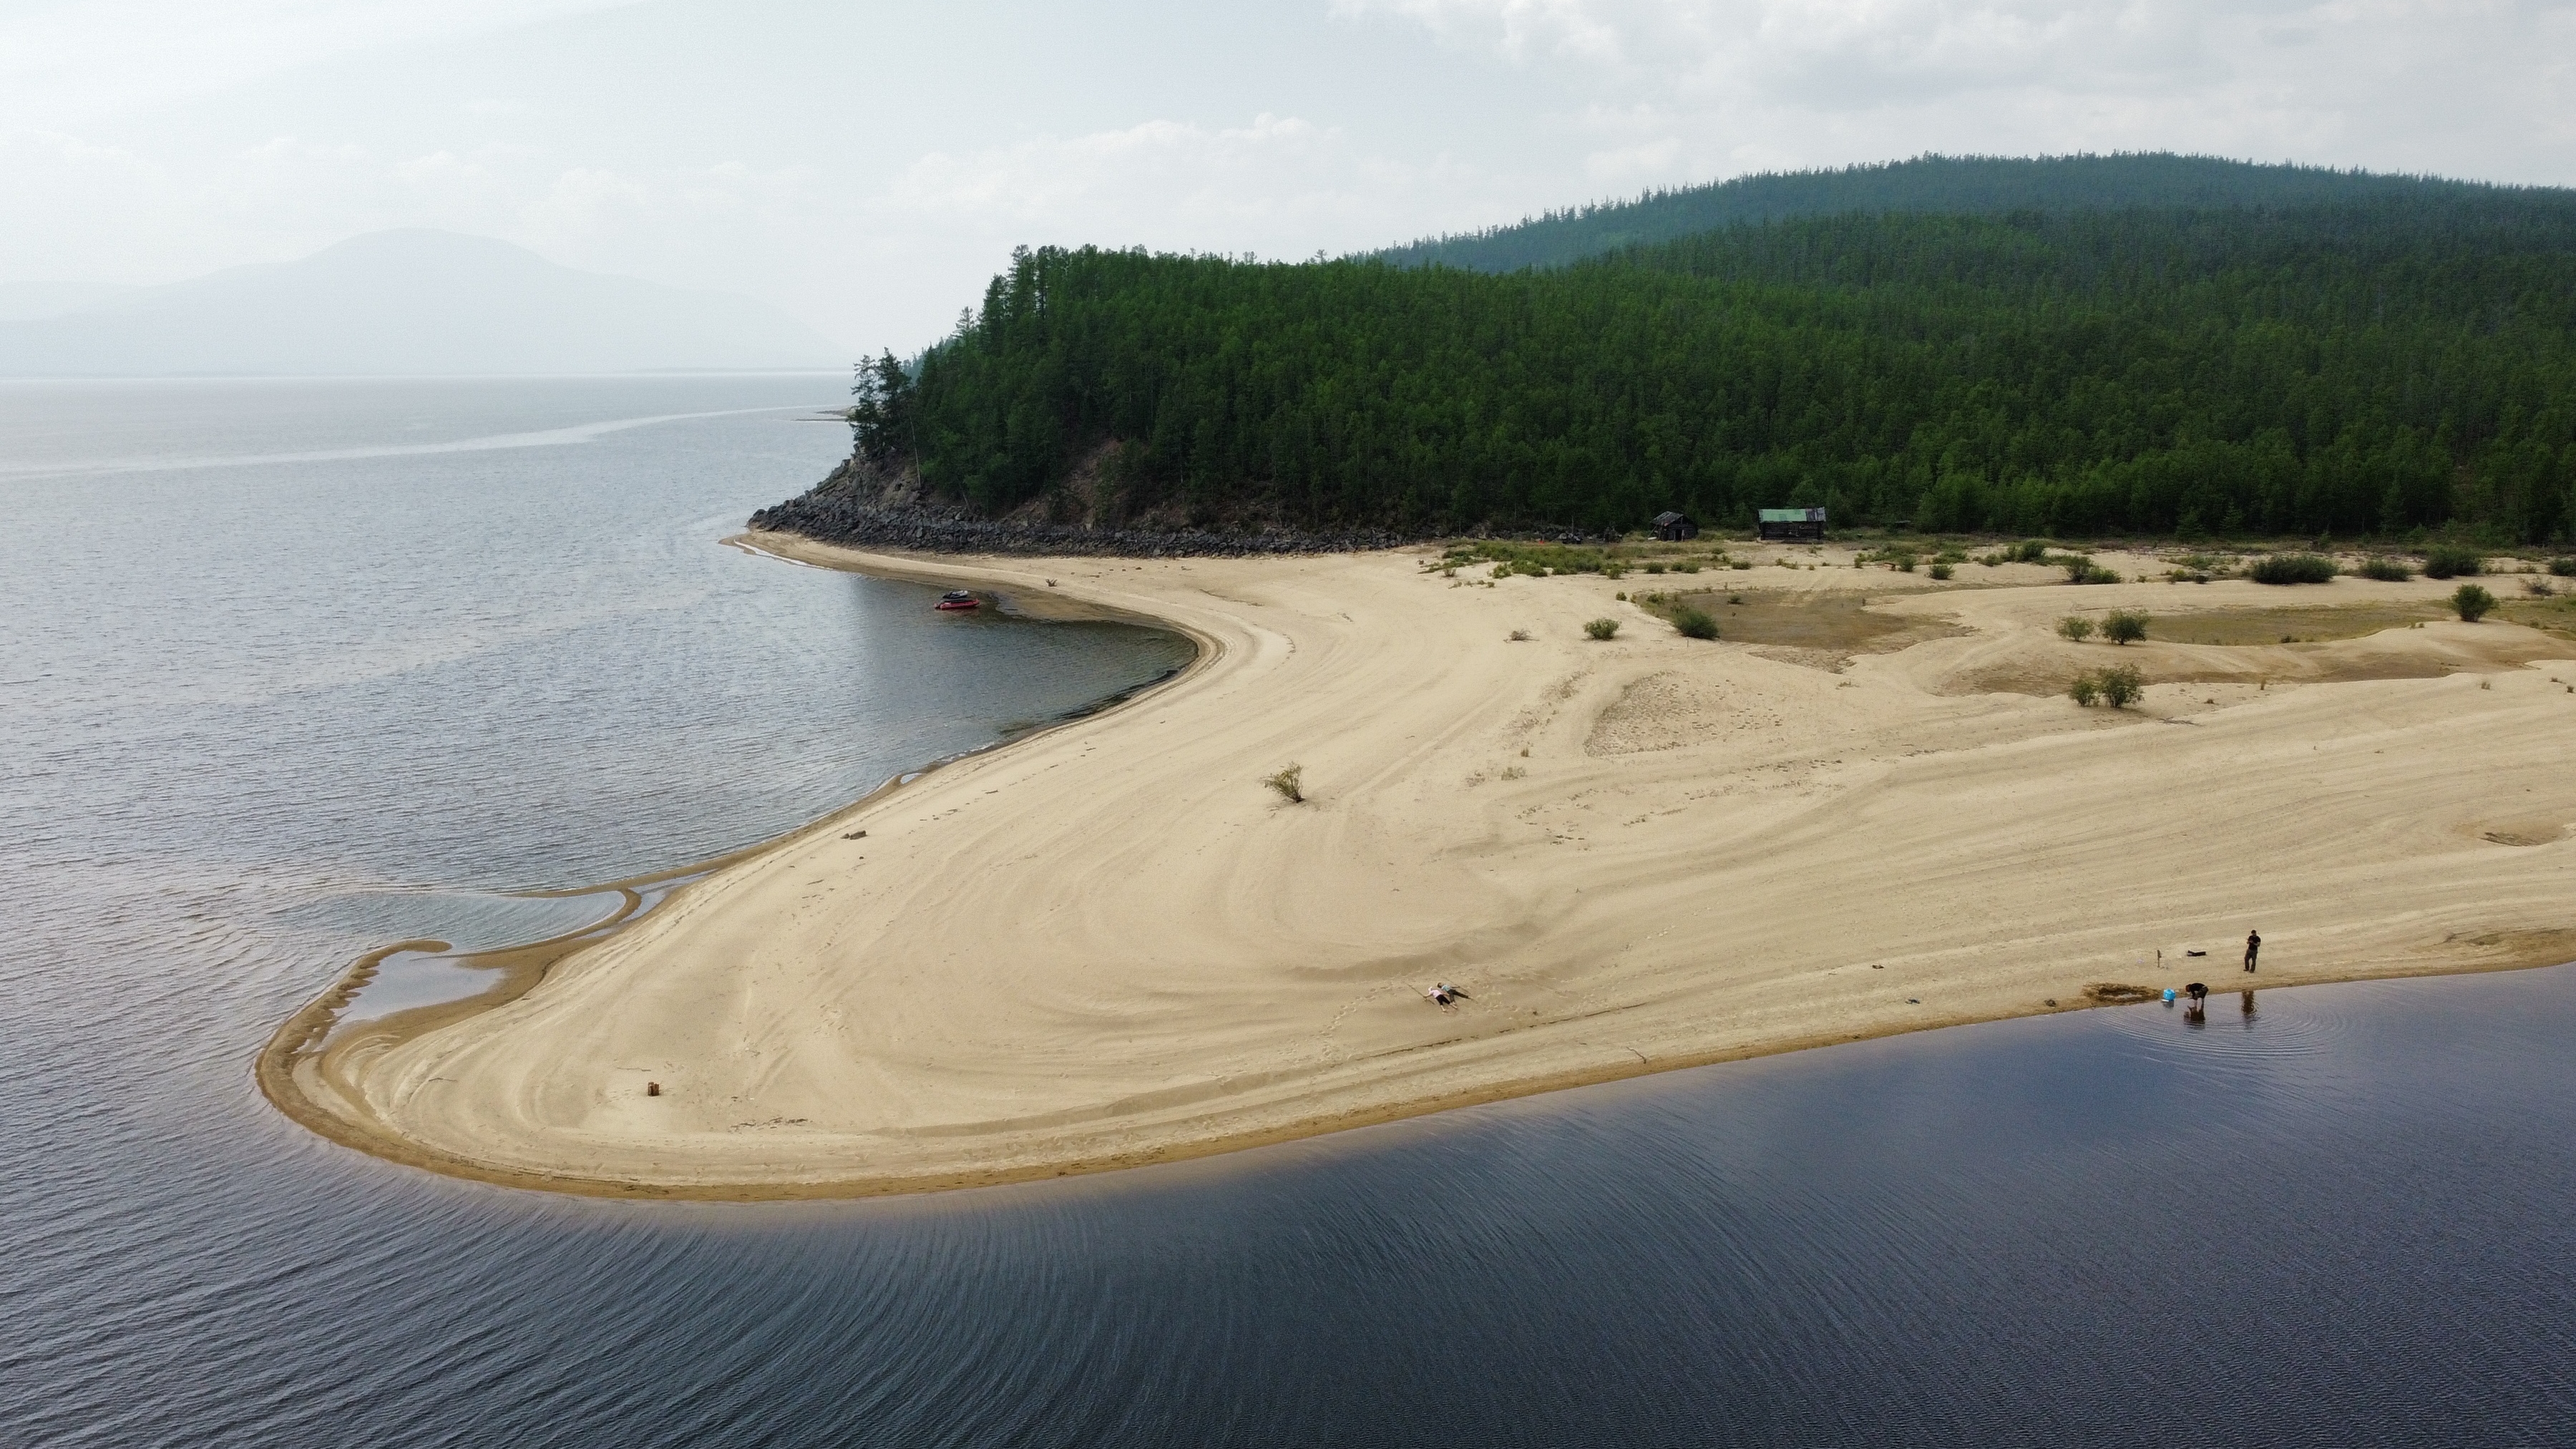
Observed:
{"x":260,"y":715}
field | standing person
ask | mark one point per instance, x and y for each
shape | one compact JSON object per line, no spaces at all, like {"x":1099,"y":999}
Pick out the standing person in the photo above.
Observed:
{"x":2253,"y":945}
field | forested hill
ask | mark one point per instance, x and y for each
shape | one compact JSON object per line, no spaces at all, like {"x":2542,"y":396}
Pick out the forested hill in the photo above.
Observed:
{"x":1978,"y":185}
{"x":2361,"y":369}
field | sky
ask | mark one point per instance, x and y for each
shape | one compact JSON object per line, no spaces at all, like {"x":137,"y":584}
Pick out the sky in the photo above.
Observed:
{"x":867,"y":166}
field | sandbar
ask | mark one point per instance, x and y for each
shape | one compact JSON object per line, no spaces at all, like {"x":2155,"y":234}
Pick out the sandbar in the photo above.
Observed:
{"x":1109,"y":944}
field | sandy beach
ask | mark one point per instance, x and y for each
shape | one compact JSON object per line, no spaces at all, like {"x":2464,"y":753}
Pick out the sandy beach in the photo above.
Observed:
{"x":1109,"y":944}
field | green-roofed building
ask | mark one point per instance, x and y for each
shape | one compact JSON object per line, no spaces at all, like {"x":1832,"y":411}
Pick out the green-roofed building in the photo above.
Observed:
{"x":1791,"y":524}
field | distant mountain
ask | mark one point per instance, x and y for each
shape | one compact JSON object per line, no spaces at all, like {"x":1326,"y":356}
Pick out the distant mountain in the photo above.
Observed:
{"x":1975,"y":185}
{"x":407,"y":303}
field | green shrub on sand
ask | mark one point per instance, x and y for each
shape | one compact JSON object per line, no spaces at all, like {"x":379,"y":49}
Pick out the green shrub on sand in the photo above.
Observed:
{"x":2450,"y":561}
{"x":1290,"y":783}
{"x":1694,"y":623}
{"x":2120,"y":626}
{"x":2292,"y":568}
{"x":2076,"y":627}
{"x":1602,"y":628}
{"x":2118,"y":687}
{"x":2386,"y":570}
{"x":2472,"y":602}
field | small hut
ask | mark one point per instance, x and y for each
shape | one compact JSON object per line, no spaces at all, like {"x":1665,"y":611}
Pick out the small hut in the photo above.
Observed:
{"x":1674,"y":527}
{"x":1805,"y":525}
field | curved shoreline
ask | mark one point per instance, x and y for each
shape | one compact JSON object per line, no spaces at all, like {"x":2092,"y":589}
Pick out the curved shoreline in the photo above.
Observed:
{"x":1684,"y":1022}
{"x":295,"y":1061}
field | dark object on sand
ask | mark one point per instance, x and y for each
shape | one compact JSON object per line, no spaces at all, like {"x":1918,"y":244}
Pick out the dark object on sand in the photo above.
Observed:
{"x":652,"y":1089}
{"x":856,"y":835}
{"x":2115,"y":993}
{"x":2195,"y":953}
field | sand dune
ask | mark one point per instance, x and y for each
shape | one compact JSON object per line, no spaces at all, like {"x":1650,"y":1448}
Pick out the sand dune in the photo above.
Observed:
{"x":1109,"y":944}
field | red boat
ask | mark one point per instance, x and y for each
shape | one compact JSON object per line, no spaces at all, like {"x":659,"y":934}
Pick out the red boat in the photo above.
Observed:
{"x":957,"y":601}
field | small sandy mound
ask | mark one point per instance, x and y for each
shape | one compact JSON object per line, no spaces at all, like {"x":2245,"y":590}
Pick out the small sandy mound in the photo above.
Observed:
{"x":1668,"y":711}
{"x":2042,"y":665}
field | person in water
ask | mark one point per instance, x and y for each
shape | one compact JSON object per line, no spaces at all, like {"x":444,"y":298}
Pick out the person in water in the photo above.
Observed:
{"x":2253,"y":945}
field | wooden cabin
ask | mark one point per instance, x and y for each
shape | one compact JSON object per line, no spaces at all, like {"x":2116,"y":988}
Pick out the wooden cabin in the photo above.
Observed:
{"x":1799,"y":525}
{"x":1675,"y":527}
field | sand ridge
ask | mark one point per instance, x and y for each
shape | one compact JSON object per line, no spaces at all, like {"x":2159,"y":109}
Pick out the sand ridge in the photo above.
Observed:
{"x":1108,"y":944}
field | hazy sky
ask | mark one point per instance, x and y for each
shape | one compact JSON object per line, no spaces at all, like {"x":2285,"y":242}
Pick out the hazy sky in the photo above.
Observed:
{"x":866,"y":165}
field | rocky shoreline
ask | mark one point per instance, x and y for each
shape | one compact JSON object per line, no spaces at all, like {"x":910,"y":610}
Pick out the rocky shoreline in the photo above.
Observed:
{"x":836,"y":511}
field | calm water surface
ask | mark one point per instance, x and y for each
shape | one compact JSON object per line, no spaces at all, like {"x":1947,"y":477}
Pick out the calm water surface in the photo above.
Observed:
{"x":294,"y":669}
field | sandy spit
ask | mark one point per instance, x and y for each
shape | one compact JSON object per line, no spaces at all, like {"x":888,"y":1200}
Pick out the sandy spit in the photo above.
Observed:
{"x":1109,"y":945}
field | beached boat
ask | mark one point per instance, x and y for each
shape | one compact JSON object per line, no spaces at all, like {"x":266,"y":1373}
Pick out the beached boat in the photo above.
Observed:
{"x":957,"y":601}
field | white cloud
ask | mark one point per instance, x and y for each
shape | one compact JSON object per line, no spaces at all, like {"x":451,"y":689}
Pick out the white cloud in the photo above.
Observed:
{"x":871,"y":165}
{"x":1294,"y":185}
{"x":290,"y":151}
{"x":74,"y":60}
{"x":2443,"y":84}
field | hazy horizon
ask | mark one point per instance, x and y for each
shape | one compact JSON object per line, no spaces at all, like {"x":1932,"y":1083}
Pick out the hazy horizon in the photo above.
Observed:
{"x":865,"y":170}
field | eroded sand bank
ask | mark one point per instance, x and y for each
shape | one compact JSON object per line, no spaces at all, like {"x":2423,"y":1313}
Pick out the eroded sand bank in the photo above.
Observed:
{"x":1110,"y":944}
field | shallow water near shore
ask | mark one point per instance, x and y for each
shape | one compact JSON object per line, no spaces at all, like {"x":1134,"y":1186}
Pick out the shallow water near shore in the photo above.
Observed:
{"x":262,"y":716}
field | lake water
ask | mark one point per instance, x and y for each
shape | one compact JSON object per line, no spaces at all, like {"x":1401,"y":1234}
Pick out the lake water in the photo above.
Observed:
{"x":293,"y":670}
